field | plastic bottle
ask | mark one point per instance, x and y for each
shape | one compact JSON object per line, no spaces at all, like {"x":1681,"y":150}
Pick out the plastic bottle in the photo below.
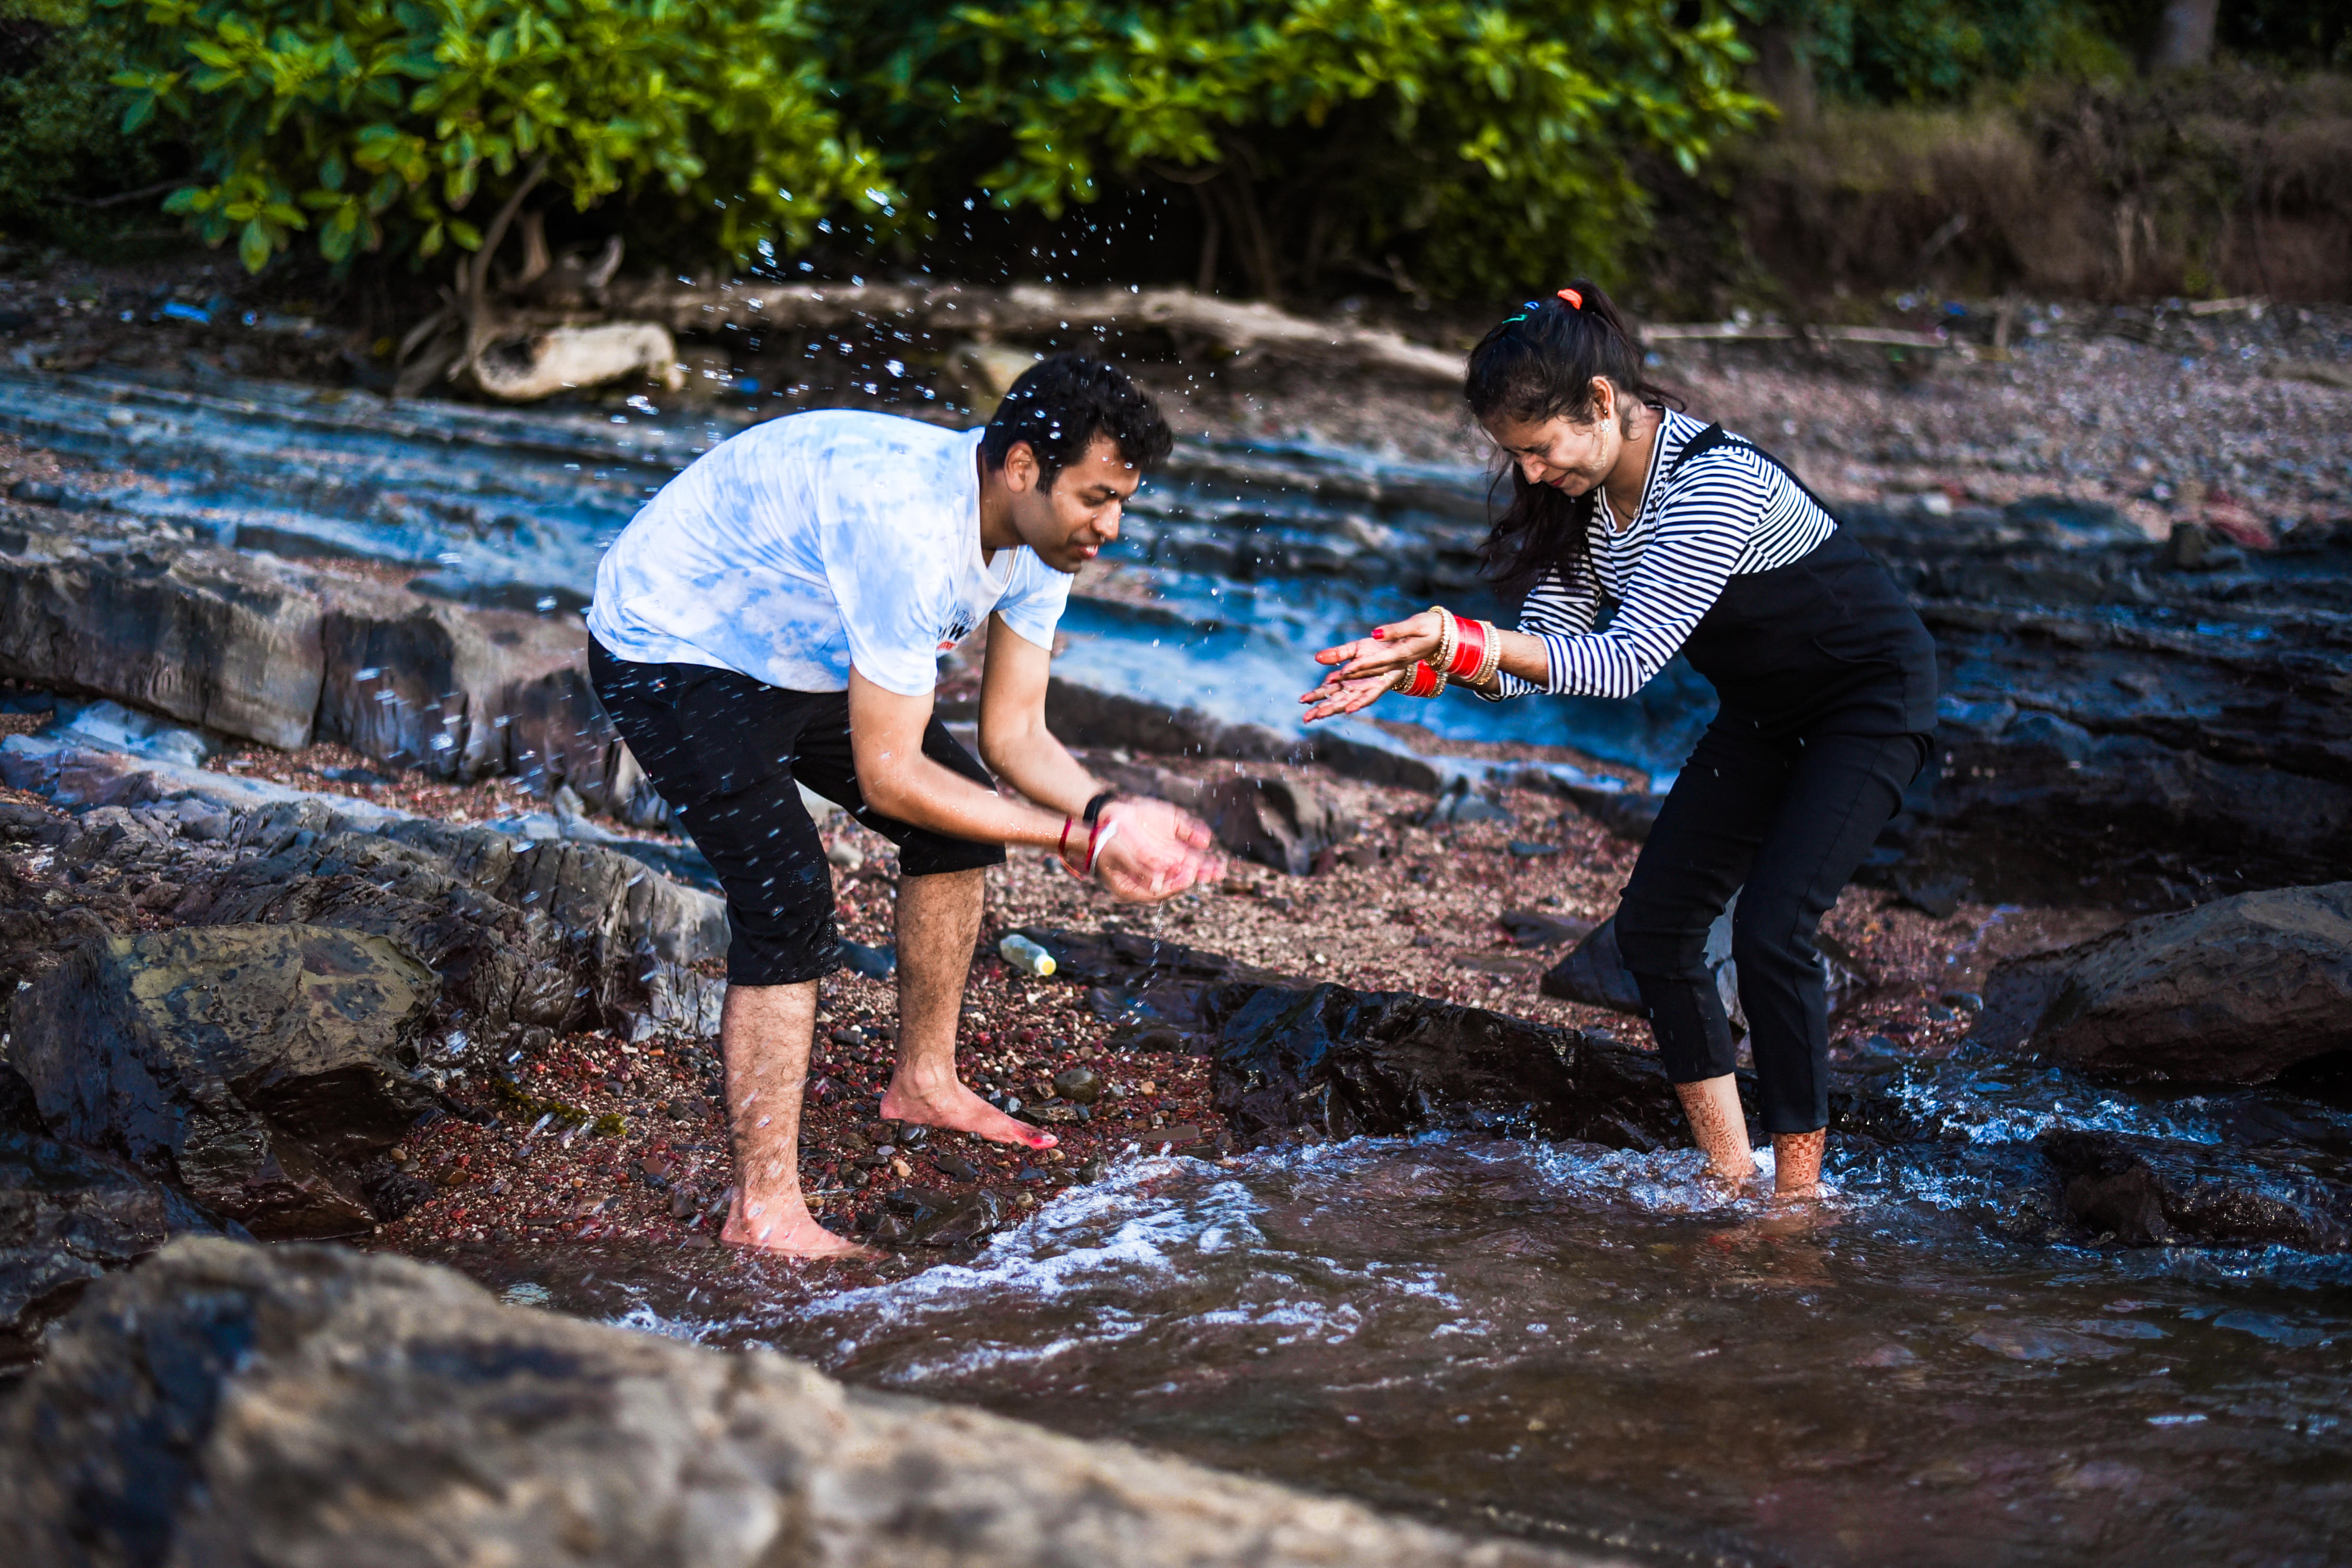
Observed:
{"x":1025,"y":956}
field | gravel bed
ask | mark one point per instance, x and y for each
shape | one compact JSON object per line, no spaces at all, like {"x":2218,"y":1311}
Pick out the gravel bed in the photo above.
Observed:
{"x":645,"y":1165}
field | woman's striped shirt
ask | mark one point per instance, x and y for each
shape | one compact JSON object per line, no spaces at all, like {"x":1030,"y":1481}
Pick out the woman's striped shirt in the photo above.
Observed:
{"x":1727,"y":512}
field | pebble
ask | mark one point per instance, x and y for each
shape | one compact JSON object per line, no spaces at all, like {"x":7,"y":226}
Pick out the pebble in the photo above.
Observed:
{"x":1081,"y":1085}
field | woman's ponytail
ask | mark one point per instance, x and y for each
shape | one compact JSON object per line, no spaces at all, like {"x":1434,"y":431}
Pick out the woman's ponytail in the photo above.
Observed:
{"x":1541,"y":364}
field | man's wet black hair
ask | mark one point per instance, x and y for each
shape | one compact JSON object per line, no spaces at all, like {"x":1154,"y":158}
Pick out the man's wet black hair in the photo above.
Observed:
{"x":1539,"y":364}
{"x":1062,"y":403}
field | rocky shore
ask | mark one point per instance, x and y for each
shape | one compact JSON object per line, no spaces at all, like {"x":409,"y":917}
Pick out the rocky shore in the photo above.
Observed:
{"x":335,"y":910}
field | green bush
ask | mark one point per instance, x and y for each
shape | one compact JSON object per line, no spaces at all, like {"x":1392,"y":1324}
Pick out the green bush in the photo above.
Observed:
{"x":1483,"y":145}
{"x":381,"y":124}
{"x":1942,"y":51}
{"x":61,"y":143}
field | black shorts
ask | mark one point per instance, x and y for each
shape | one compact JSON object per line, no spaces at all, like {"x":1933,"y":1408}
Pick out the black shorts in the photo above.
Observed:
{"x":728,"y":753}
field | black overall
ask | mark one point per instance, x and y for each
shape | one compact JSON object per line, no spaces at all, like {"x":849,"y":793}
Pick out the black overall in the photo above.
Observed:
{"x":1827,"y":686}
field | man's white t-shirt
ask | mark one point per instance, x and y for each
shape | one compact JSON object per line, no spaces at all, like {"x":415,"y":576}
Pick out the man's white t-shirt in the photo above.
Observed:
{"x":810,"y":543}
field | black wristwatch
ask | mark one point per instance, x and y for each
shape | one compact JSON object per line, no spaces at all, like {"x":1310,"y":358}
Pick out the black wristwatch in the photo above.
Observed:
{"x":1095,"y":806}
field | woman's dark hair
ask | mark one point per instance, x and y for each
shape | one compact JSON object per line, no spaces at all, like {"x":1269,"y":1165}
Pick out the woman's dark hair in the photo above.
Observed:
{"x":1062,"y":403}
{"x":1541,"y":364}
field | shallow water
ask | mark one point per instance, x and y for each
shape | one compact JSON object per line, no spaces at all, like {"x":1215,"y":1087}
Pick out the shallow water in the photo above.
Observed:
{"x":1591,"y":1346}
{"x":1563,"y":1342}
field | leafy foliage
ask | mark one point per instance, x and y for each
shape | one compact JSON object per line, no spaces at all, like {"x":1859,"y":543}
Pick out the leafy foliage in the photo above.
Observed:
{"x":1489,"y":139}
{"x":60,"y":143}
{"x":374,"y":123}
{"x":1941,"y":51}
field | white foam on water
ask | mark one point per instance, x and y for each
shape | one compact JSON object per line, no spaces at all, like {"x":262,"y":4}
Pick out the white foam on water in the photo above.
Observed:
{"x":1153,"y":1225}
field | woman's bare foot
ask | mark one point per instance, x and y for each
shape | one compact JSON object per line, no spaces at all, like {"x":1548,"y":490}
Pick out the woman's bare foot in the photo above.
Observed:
{"x":1797,"y":1167}
{"x":787,"y":1228}
{"x":959,"y":1110}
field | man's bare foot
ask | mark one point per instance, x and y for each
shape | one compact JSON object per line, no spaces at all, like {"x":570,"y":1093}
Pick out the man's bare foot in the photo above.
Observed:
{"x":788,"y":1228}
{"x":959,"y":1110}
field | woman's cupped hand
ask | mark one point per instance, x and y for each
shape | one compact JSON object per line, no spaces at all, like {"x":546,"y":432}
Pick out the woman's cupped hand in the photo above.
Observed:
{"x":1364,"y":668}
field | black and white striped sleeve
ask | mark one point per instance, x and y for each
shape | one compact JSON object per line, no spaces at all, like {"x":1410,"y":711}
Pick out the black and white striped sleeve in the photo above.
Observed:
{"x":1561,"y":606}
{"x":1706,"y":521}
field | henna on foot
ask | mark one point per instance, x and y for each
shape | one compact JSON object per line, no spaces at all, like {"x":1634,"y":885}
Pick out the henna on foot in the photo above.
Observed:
{"x":1797,"y":1166}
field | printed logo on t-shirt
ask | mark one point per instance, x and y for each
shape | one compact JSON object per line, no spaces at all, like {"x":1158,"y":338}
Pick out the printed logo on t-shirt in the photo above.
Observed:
{"x":959,"y":627}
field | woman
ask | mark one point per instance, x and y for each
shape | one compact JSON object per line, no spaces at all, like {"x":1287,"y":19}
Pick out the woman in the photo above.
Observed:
{"x":1826,"y":680}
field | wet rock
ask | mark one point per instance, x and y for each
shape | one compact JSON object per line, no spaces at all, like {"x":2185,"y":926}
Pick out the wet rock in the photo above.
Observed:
{"x":1153,"y":986}
{"x":552,"y":934}
{"x":1343,"y":1063}
{"x":464,"y":692}
{"x":956,"y":1167}
{"x":206,"y":636}
{"x":2200,"y":716}
{"x":68,"y":1216}
{"x":1288,"y":825}
{"x":20,"y":1112}
{"x":2154,"y":1191}
{"x":959,"y":1221}
{"x":284,"y":654}
{"x":248,"y":1066}
{"x":1533,"y":928}
{"x":1084,"y":716}
{"x":313,"y":1404}
{"x":34,"y":825}
{"x":1080,"y":1086}
{"x":112,"y":725}
{"x":2234,"y":991}
{"x":1595,"y":974}
{"x":1458,"y":806}
{"x":1628,"y":813}
{"x":1271,"y":821}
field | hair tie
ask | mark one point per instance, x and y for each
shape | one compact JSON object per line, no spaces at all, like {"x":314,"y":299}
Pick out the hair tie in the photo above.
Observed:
{"x":1573,"y":298}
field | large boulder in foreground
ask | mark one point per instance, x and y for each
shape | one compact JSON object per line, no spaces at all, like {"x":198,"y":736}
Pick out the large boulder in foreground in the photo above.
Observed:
{"x":248,"y":1066}
{"x":2235,"y":991}
{"x":68,"y":1217}
{"x":315,"y":1406}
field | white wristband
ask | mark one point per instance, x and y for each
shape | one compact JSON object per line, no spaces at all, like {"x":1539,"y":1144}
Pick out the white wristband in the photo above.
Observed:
{"x":1109,"y":831}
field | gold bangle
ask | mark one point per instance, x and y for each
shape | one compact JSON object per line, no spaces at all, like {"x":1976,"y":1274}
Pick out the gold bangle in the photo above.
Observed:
{"x":1446,"y":640}
{"x":1492,"y":659}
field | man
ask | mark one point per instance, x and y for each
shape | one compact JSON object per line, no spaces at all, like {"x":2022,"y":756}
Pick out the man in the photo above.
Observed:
{"x":774,"y":616}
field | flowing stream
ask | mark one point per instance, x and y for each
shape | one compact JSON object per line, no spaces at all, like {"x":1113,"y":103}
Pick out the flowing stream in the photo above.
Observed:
{"x":1562,"y":1342}
{"x":1588,"y":1346}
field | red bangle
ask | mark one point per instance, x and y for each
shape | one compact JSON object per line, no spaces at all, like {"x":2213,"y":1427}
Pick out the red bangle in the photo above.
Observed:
{"x":1469,"y":647}
{"x":1424,"y":682}
{"x":1066,"y":824}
